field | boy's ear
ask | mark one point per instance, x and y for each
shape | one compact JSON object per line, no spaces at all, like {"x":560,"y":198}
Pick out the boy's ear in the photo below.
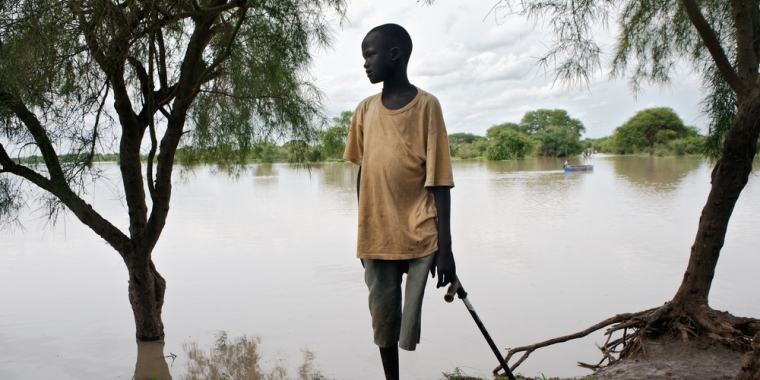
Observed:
{"x":395,"y":53}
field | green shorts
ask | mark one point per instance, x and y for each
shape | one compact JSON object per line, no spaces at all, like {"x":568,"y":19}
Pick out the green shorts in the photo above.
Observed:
{"x":391,"y":325}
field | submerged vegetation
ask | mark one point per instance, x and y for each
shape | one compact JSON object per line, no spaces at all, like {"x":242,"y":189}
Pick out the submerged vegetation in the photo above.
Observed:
{"x":240,"y":360}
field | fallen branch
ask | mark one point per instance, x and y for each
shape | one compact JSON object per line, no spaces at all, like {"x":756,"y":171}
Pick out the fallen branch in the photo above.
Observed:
{"x":528,"y":349}
{"x":718,"y":326}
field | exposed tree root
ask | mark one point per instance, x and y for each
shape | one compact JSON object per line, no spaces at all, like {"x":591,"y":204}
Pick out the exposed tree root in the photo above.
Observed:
{"x":751,"y":362}
{"x":625,"y":332}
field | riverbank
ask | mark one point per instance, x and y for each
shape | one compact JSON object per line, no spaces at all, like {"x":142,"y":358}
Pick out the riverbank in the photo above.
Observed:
{"x":666,"y":358}
{"x":670,"y":358}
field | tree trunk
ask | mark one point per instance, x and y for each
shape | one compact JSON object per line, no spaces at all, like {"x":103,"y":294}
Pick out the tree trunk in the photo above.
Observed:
{"x":729,"y":177}
{"x":146,"y":295}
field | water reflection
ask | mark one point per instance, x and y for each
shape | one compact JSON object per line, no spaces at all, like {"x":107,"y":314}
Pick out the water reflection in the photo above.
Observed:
{"x":336,"y":175}
{"x":655,"y":173}
{"x":151,"y":361}
{"x":264,"y":170}
{"x":533,"y":164}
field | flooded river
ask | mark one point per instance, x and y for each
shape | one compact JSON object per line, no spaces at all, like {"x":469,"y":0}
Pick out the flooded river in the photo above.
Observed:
{"x":271,"y":254}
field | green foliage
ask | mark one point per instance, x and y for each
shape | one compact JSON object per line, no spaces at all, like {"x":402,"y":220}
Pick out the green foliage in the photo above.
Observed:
{"x":558,"y":141}
{"x":467,"y":145}
{"x":299,"y":151}
{"x":494,"y":130}
{"x":652,"y":37}
{"x":263,"y":94}
{"x":649,"y":127}
{"x":607,"y":145}
{"x":333,"y":139}
{"x":535,"y":122}
{"x":240,"y":359}
{"x":268,"y":152}
{"x":556,"y":132}
{"x":687,"y":146}
{"x":67,"y":62}
{"x":463,"y":138}
{"x":597,"y":144}
{"x":508,"y":144}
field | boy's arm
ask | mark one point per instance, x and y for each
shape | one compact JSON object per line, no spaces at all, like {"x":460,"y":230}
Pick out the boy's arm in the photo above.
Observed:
{"x":444,"y":258}
{"x":358,"y":181}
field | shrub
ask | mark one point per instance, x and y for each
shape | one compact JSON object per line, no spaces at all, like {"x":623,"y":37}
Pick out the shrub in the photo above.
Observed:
{"x":507,"y":144}
{"x":467,"y":145}
{"x":689,"y":145}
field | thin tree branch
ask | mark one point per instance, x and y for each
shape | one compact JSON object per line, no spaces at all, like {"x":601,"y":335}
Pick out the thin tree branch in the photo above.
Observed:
{"x":165,"y":95}
{"x":83,"y":211}
{"x":142,"y":76}
{"x":151,"y":120}
{"x":89,"y":37}
{"x":227,"y":49}
{"x":39,"y":134}
{"x":161,"y":58}
{"x":166,"y":113}
{"x":97,"y":122}
{"x":714,"y":47}
{"x":199,"y":12}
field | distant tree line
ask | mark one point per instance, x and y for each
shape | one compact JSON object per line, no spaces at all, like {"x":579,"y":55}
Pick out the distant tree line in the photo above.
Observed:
{"x":543,"y":132}
{"x":325,"y":145}
{"x":656,"y":131}
{"x":553,"y":133}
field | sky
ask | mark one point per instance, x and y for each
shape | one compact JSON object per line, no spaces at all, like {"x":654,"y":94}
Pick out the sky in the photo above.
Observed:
{"x":483,"y":69}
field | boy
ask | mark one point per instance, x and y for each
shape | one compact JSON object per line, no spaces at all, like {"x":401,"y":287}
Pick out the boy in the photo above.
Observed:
{"x":398,"y":139}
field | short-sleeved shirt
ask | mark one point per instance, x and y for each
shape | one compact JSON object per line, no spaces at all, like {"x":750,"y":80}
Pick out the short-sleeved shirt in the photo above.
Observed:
{"x":401,"y":153}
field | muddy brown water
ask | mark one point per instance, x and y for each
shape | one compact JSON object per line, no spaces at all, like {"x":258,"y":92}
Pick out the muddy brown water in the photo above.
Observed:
{"x":271,"y":253}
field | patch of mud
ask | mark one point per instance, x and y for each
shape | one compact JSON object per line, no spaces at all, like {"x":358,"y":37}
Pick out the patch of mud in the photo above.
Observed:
{"x":672,"y":359}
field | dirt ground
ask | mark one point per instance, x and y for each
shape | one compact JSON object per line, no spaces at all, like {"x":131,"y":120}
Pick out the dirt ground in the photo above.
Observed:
{"x":669,"y":358}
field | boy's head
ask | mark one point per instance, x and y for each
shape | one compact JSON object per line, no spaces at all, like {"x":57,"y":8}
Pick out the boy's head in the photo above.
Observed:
{"x":386,"y":49}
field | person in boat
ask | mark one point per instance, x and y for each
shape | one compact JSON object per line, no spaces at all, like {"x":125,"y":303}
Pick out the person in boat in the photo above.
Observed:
{"x":565,"y":165}
{"x":398,"y":138}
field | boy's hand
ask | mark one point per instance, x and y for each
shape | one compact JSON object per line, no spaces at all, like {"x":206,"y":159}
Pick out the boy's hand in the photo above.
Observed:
{"x":446,"y":267}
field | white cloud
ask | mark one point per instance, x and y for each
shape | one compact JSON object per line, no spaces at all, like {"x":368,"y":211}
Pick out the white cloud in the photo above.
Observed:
{"x":484,"y":73}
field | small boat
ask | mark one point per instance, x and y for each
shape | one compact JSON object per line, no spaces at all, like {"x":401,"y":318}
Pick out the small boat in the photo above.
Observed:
{"x":573,"y":168}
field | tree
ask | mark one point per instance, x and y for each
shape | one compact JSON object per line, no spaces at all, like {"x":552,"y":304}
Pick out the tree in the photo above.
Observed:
{"x":463,"y":138}
{"x":467,"y":145}
{"x":647,"y":127}
{"x":508,"y":144}
{"x":557,"y":133}
{"x":212,"y":74}
{"x":718,"y":39}
{"x":556,"y":141}
{"x":534,"y":122}
{"x":334,"y":138}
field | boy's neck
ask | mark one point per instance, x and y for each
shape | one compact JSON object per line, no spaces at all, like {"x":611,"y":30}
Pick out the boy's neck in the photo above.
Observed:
{"x":397,"y":92}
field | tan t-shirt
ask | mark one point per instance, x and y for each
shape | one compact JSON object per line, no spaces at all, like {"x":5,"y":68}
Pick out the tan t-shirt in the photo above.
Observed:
{"x":401,"y":152}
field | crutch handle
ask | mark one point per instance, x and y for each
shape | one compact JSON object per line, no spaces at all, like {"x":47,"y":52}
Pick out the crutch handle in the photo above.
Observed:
{"x":455,"y":288}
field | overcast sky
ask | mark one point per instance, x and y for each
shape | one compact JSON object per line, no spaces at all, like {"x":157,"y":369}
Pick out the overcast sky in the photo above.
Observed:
{"x":483,"y":70}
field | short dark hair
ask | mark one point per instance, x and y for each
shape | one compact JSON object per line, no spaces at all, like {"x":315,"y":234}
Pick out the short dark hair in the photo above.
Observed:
{"x":396,"y":36}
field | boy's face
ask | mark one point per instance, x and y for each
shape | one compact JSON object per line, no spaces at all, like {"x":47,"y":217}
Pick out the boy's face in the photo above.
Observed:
{"x":379,"y":60}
